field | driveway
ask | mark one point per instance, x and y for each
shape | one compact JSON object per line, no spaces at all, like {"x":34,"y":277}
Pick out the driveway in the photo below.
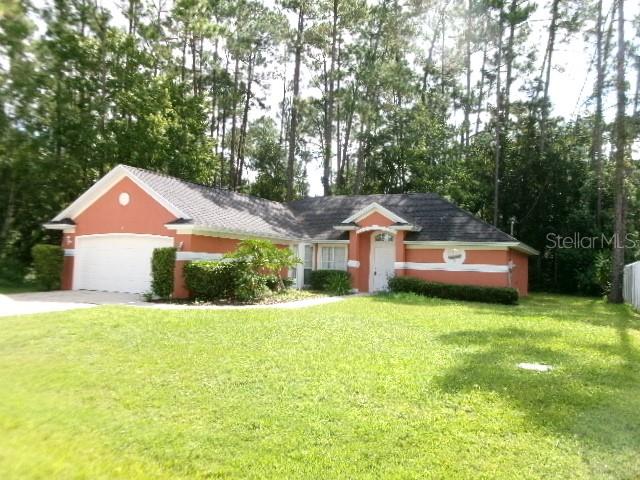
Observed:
{"x":61,"y":300}
{"x":58,"y":301}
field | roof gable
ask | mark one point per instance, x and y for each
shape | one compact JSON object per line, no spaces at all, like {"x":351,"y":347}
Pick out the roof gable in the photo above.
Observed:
{"x":103,"y":185}
{"x":374,"y":207}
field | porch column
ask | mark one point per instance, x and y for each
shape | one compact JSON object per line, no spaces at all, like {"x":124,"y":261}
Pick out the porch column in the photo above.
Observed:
{"x":353,"y":263}
{"x":400,"y":252}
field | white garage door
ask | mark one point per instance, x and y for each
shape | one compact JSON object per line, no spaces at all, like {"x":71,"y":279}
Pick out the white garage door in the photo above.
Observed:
{"x":115,"y":263}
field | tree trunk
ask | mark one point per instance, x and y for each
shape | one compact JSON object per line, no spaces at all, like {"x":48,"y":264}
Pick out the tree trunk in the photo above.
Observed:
{"x":498,"y":133}
{"x":293,"y":129}
{"x":553,"y":27}
{"x":467,"y":65}
{"x":9,"y":208}
{"x":245,"y":120}
{"x":615,"y":296}
{"x":482,"y":80}
{"x":328,"y":124}
{"x":596,"y":142}
{"x":232,"y":154}
{"x":510,"y":56}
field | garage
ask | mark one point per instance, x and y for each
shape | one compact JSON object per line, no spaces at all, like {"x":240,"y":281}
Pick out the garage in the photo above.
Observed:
{"x":115,"y":262}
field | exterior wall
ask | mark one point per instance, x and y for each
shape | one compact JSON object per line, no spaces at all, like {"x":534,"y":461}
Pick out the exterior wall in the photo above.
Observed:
{"x":143,"y":215}
{"x":360,"y":250}
{"x":205,"y":244}
{"x":462,"y":278}
{"x":67,"y":273}
{"x":518,"y":278}
{"x":520,"y":273}
{"x":375,"y":218}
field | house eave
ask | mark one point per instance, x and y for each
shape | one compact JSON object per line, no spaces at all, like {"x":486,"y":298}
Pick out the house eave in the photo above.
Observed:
{"x":207,"y":231}
{"x":66,"y":227}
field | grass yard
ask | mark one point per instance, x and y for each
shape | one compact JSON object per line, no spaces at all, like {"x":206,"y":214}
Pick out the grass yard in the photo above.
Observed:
{"x":371,"y":387}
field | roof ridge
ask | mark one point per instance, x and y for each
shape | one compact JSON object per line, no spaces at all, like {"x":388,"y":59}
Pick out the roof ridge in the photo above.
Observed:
{"x":318,"y":197}
{"x":202,"y":185}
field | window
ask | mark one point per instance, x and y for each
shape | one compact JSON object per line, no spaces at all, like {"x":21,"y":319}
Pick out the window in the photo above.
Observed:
{"x":384,"y":237}
{"x":333,"y":258}
{"x":308,"y":263}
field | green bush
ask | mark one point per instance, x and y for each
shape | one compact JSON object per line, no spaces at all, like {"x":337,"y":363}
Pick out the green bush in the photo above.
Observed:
{"x":265,"y":259}
{"x":504,"y":295}
{"x":324,"y":279}
{"x":210,"y":280}
{"x":244,"y":275}
{"x":163,"y":263}
{"x":338,"y":283}
{"x":47,"y":265}
{"x":249,"y":286}
{"x":224,"y":280}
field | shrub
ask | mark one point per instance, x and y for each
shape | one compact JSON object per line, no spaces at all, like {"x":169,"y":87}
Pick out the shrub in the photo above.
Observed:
{"x":504,"y":295}
{"x":224,"y":280}
{"x":163,"y":263}
{"x":249,"y":286}
{"x":338,"y":283}
{"x":47,"y":265}
{"x":265,"y":259}
{"x":210,"y":280}
{"x":323,"y":279}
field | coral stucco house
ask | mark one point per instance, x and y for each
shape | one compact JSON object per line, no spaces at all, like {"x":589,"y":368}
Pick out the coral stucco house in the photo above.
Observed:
{"x":110,"y":231}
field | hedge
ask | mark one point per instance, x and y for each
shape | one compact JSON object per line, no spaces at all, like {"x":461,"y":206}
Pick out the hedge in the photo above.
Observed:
{"x":473,"y":293}
{"x":334,"y":281}
{"x":47,"y":265}
{"x":163,"y":263}
{"x":226,"y":280}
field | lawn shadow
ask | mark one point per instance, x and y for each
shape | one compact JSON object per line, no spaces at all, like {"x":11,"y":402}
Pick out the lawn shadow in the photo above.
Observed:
{"x":592,"y":399}
{"x":591,"y":402}
{"x":589,"y":310}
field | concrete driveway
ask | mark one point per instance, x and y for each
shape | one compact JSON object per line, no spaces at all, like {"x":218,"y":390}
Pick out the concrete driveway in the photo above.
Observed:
{"x":58,"y":301}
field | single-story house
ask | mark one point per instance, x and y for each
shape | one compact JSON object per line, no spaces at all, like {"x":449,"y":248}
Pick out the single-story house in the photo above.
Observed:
{"x":111,"y":230}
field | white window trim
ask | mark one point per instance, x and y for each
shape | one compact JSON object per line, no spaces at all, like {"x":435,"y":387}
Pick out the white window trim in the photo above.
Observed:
{"x":321,"y":249}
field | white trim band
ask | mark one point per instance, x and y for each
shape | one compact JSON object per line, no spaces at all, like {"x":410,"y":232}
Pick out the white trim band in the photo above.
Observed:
{"x":452,"y":267}
{"x":420,"y":244}
{"x":188,"y":256}
{"x":69,"y":252}
{"x":353,"y":264}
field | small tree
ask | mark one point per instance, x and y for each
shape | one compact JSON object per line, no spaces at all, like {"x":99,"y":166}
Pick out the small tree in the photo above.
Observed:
{"x":263,"y":257}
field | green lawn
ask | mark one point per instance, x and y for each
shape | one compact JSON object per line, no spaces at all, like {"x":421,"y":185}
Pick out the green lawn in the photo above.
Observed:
{"x":378,"y":387}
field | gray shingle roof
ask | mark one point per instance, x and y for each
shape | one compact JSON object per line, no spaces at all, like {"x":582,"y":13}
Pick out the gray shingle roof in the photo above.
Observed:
{"x":440,"y":219}
{"x":314,"y":218}
{"x":224,"y":209}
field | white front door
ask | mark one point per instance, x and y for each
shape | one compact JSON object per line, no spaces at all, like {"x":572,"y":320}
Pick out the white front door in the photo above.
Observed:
{"x":115,"y":262}
{"x":384,"y":256}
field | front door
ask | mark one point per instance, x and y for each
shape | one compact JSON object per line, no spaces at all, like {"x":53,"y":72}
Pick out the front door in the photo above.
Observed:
{"x":384,"y":255}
